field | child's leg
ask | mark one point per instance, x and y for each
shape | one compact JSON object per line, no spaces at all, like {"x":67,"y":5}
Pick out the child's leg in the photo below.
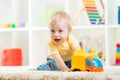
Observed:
{"x":52,"y":64}
{"x":49,"y":65}
{"x":43,"y":67}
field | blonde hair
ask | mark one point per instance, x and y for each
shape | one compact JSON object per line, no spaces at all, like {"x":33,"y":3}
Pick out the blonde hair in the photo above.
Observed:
{"x":59,"y":18}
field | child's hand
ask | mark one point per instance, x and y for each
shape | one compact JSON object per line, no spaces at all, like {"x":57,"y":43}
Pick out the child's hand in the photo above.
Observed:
{"x":67,"y":70}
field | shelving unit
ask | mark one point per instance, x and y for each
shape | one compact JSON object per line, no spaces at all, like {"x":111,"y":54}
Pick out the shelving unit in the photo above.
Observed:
{"x":113,"y":38}
{"x":14,"y":12}
{"x":33,"y":38}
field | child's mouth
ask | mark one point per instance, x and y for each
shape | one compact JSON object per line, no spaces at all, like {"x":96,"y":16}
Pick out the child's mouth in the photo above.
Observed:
{"x":57,"y":40}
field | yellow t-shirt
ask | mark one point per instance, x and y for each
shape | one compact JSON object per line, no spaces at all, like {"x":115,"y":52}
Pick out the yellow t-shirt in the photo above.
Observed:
{"x":65,"y":49}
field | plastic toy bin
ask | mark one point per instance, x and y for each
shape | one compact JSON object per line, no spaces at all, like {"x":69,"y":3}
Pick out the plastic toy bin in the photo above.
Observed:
{"x":12,"y":57}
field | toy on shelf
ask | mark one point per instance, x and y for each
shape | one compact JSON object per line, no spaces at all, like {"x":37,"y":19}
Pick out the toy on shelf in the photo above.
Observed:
{"x":81,"y":45}
{"x":82,"y":61}
{"x":15,"y":25}
{"x":100,"y":55}
{"x":6,"y":25}
{"x":94,"y":12}
{"x":22,"y":24}
{"x":12,"y":57}
{"x":118,"y":53}
{"x":118,"y":14}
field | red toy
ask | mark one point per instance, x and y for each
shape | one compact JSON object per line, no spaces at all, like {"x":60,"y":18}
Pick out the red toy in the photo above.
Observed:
{"x":12,"y":57}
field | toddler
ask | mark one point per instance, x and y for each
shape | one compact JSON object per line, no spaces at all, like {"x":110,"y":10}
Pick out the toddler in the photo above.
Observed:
{"x":62,"y":43}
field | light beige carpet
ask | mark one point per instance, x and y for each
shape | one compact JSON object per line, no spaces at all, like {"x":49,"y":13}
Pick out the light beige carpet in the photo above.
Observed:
{"x":57,"y":75}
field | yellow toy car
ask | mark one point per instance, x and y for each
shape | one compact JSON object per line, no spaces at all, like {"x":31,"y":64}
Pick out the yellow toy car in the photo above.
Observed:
{"x":82,"y":61}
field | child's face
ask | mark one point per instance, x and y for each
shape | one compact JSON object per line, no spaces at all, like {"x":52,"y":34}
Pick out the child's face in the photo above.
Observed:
{"x":59,"y":33}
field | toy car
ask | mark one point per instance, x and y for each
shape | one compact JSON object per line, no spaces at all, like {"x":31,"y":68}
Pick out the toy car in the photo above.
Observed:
{"x":83,"y":61}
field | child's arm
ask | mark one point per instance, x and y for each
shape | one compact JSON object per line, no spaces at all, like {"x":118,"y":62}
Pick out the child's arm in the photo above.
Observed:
{"x":74,"y":43}
{"x":76,"y":48}
{"x":59,"y":61}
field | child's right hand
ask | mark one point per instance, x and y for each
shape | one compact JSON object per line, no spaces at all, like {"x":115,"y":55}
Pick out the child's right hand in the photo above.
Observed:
{"x":67,"y":70}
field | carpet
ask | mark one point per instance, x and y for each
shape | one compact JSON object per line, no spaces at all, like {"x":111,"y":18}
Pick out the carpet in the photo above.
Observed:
{"x":57,"y":75}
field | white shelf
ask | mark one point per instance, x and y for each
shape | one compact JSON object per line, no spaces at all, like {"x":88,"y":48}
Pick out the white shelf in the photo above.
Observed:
{"x":13,"y":29}
{"x":33,"y":38}
{"x":90,"y":27}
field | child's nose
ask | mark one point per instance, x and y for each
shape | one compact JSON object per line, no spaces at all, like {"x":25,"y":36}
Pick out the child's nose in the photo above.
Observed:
{"x":56,"y":34}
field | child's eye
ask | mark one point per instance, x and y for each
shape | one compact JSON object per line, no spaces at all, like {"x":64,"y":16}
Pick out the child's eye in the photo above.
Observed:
{"x":60,"y":31}
{"x":53,"y":31}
